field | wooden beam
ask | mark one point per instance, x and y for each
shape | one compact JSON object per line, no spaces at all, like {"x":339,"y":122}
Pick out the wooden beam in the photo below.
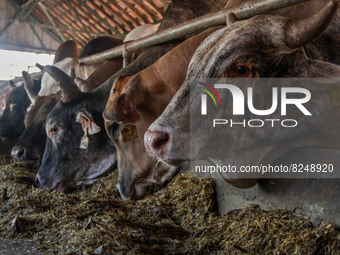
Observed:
{"x":19,"y":12}
{"x":64,"y":29}
{"x":12,"y":46}
{"x":51,"y":20}
{"x":38,"y":37}
{"x":31,"y":8}
{"x":33,"y":20}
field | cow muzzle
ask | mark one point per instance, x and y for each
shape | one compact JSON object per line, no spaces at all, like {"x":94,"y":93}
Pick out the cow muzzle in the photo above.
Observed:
{"x":19,"y":153}
{"x":157,"y":143}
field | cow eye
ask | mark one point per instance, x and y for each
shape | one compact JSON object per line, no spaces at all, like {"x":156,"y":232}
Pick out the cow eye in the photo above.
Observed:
{"x":53,"y":131}
{"x":242,"y":69}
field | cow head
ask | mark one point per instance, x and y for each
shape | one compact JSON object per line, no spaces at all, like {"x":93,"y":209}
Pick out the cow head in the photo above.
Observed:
{"x":31,"y":144}
{"x":134,"y":107}
{"x":263,"y":46}
{"x":135,"y":102}
{"x":77,"y":149}
{"x":12,"y":120}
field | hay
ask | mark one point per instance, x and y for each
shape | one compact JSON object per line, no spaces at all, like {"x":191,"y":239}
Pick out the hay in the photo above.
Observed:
{"x":180,"y":219}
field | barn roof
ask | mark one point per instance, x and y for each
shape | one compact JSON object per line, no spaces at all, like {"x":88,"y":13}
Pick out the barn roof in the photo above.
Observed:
{"x":41,"y":25}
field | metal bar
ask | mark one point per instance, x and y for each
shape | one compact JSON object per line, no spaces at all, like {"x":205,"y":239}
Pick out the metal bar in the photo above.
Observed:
{"x":51,"y":20}
{"x":34,"y":20}
{"x":16,"y":17}
{"x":213,"y":19}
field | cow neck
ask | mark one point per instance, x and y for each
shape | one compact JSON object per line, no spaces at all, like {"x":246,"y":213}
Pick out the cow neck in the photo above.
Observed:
{"x":170,"y":70}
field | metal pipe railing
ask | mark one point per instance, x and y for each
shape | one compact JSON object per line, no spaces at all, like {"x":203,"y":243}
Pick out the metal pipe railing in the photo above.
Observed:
{"x":244,"y":11}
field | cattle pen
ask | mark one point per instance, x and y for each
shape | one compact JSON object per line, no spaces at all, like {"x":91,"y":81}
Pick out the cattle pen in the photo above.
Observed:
{"x":188,"y":213}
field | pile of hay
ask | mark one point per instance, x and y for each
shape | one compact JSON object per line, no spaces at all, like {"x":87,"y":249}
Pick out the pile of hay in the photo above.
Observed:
{"x":181,"y":219}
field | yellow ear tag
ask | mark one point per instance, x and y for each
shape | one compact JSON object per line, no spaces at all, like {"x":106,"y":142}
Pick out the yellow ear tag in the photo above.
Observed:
{"x":84,"y":142}
{"x":128,"y":133}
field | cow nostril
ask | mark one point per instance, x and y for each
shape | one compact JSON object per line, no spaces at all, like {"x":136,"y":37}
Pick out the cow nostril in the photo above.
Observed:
{"x":18,"y":153}
{"x":161,"y":140}
{"x":37,"y":182}
{"x":108,"y":115}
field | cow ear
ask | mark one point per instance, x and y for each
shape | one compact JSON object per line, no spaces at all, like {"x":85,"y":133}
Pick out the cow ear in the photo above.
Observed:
{"x":117,"y":80}
{"x":67,"y":49}
{"x":87,"y":122}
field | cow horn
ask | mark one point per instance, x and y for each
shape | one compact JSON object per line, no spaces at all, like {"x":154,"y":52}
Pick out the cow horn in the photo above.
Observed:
{"x":39,"y":66}
{"x":67,"y":86}
{"x":304,"y":31}
{"x":29,"y":84}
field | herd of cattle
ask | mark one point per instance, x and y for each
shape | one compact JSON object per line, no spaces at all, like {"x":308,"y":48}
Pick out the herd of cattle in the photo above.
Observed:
{"x":77,"y":122}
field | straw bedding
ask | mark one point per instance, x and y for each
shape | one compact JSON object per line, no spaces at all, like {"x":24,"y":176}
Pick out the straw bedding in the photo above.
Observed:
{"x":180,"y":219}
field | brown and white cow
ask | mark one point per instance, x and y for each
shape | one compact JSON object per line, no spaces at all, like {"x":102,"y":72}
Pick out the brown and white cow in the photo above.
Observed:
{"x":263,"y":46}
{"x":139,"y":100}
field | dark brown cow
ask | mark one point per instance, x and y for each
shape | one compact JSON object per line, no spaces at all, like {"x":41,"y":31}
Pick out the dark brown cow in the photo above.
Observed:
{"x":139,"y":100}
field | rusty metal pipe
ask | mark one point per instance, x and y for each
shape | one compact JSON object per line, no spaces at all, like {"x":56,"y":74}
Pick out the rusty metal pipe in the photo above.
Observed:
{"x":245,"y":11}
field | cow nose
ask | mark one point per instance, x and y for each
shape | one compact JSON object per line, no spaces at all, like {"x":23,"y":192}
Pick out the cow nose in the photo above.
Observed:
{"x":18,"y":153}
{"x":37,"y":182}
{"x":108,"y":115}
{"x":156,"y":142}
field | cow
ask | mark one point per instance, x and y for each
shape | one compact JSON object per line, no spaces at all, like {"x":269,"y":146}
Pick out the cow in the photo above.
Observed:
{"x":63,"y":158}
{"x":139,"y":99}
{"x":263,"y":46}
{"x":17,"y":102}
{"x":12,"y":121}
{"x":30,"y":147}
